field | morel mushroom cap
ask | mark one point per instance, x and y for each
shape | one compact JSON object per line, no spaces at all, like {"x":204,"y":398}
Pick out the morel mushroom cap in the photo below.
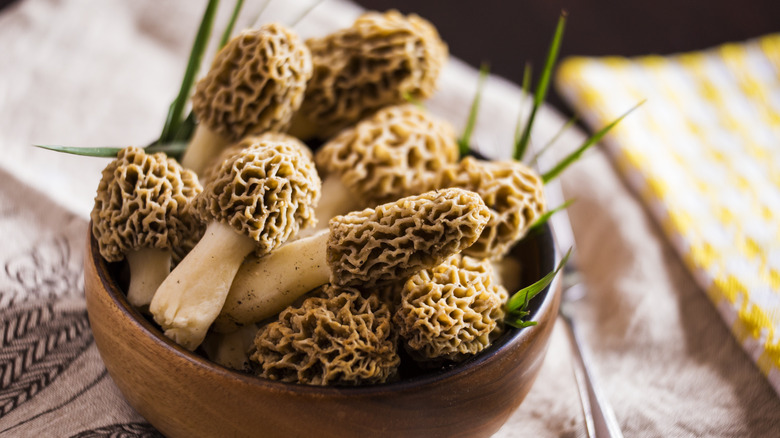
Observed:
{"x":258,"y":199}
{"x":382,"y":59}
{"x":338,"y":337}
{"x":255,"y":84}
{"x":513,"y":192}
{"x":141,"y":212}
{"x":386,"y":157}
{"x":365,"y":248}
{"x":449,"y":311}
{"x":276,"y":137}
{"x":397,"y":239}
{"x":266,"y":191}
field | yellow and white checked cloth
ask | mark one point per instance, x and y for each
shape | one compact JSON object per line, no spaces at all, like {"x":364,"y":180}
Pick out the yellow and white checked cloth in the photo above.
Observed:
{"x":703,"y":153}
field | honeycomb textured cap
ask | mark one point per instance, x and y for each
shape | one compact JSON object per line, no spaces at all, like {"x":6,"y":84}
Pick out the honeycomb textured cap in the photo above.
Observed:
{"x":142,"y":202}
{"x":267,"y":191}
{"x":210,"y":171}
{"x":390,"y":154}
{"x":394,"y":240}
{"x":450,"y":311}
{"x":382,"y":59}
{"x":337,"y":337}
{"x":512,"y":191}
{"x":256,"y":83}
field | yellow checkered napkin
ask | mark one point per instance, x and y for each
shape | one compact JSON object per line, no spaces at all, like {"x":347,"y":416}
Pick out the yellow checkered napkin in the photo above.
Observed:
{"x":704,"y":154}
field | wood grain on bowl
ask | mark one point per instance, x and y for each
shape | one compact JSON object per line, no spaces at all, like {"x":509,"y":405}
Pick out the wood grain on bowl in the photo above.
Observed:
{"x":184,"y":395}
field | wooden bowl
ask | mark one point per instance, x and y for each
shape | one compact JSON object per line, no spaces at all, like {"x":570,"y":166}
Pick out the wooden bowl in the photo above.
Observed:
{"x":184,"y":395}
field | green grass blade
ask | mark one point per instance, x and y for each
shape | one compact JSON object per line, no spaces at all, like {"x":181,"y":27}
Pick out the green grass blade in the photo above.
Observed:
{"x":574,"y":156}
{"x":228,"y":32}
{"x":173,"y":149}
{"x":541,"y":88}
{"x":101,"y":152}
{"x":519,"y":323}
{"x":519,"y":301}
{"x":566,"y":126}
{"x":176,"y":109}
{"x":549,"y":213}
{"x":464,"y":142}
{"x":186,"y":129}
{"x":170,"y":149}
{"x":526,"y":86}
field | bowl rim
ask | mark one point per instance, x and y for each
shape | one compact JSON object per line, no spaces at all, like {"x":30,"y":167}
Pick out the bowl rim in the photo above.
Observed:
{"x":468,"y":366}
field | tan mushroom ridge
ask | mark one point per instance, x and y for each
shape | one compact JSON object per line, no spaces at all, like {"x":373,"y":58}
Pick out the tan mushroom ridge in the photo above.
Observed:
{"x":450,"y":311}
{"x":141,"y":213}
{"x":385,"y":157}
{"x":363,"y":248}
{"x":260,"y":197}
{"x":278,"y":137}
{"x":255,"y":84}
{"x":381,"y":60}
{"x":337,"y":337}
{"x":513,"y":192}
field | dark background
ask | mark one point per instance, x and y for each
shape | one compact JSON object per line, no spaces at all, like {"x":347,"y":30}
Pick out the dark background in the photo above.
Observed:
{"x":508,"y":33}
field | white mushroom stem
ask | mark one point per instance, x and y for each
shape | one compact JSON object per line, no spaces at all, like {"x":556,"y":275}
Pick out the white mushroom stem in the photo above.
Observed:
{"x":190,"y":298}
{"x":204,"y":147}
{"x":231,"y":350}
{"x":264,"y":286}
{"x":148,"y":269}
{"x":336,"y":200}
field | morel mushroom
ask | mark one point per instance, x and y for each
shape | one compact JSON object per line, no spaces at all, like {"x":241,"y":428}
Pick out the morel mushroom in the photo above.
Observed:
{"x":513,"y":192}
{"x":255,"y":84}
{"x":382,"y":59}
{"x":450,"y":311}
{"x":141,"y":214}
{"x":259,"y":198}
{"x":337,"y":337}
{"x":211,"y":171}
{"x":364,"y":248}
{"x":383,"y":158}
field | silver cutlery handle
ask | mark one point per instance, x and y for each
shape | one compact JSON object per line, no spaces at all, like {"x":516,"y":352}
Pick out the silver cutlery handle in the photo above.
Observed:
{"x":600,"y":420}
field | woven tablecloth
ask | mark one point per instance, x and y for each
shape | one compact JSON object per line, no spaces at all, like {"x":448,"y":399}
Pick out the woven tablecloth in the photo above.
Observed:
{"x":98,"y":73}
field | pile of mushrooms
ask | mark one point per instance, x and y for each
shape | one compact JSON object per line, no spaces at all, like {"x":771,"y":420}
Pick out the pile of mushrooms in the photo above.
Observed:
{"x":326,"y":266}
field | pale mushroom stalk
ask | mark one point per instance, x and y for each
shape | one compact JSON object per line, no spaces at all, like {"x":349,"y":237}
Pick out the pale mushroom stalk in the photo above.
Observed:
{"x":273,"y":282}
{"x":203,"y":149}
{"x":367,"y":248}
{"x":231,"y":350}
{"x":205,"y":274}
{"x":149,"y":267}
{"x":257,"y":199}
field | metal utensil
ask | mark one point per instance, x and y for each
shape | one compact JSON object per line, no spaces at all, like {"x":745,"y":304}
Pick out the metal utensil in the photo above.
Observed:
{"x":600,"y":420}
